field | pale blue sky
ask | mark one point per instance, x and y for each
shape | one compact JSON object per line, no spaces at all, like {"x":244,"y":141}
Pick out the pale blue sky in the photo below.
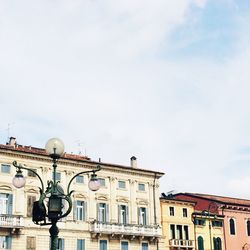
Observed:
{"x":166,"y":81}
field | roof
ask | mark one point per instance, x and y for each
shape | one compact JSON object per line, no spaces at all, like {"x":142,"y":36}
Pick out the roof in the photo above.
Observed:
{"x":66,"y":156}
{"x":220,"y":199}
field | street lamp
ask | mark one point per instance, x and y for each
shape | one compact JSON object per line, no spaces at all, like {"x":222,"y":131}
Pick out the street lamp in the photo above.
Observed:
{"x":54,"y":192}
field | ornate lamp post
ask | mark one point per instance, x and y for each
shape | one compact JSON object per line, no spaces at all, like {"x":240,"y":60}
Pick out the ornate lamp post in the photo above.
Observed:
{"x":42,"y":215}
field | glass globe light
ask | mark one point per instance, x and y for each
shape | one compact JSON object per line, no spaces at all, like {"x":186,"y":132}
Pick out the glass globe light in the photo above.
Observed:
{"x":54,"y":147}
{"x":94,"y":183}
{"x":18,"y":180}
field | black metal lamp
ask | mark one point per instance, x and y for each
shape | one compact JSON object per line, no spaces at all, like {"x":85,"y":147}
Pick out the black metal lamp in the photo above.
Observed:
{"x":54,"y":193}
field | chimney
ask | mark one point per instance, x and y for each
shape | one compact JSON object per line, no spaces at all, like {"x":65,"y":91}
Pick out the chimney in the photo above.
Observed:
{"x":12,"y":141}
{"x":133,"y":162}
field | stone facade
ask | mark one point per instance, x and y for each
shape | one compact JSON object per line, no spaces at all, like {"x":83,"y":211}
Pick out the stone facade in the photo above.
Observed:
{"x":123,"y":214}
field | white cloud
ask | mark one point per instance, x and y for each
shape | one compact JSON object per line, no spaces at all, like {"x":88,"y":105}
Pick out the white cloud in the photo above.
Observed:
{"x":87,"y":71}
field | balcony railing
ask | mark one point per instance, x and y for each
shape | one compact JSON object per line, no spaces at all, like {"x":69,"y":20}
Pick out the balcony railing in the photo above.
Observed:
{"x":181,"y":243}
{"x":122,"y":229}
{"x":11,"y":221}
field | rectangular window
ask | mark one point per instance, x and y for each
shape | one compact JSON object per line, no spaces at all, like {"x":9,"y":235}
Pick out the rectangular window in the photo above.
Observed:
{"x":124,"y":245}
{"x":179,"y":232}
{"x":5,"y":168}
{"x":144,"y":246}
{"x":142,"y":213}
{"x":186,"y":233}
{"x":103,"y":245}
{"x":122,"y":184}
{"x":123,"y":214}
{"x":141,"y":187}
{"x":60,"y":244}
{"x":31,"y":174}
{"x":58,"y":176}
{"x":5,"y":242}
{"x":30,"y":201}
{"x":172,"y":231}
{"x":102,"y":182}
{"x":30,"y":243}
{"x":184,"y":212}
{"x":217,"y":223}
{"x":171,"y":211}
{"x":6,"y":203}
{"x":79,"y":179}
{"x":80,"y":210}
{"x":102,"y":212}
{"x":199,"y":222}
{"x":80,"y":244}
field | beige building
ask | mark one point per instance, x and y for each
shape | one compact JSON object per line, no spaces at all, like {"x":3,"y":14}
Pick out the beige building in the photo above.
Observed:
{"x":124,"y":214}
{"x":177,"y":224}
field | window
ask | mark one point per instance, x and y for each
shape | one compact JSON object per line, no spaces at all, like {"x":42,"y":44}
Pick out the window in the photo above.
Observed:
{"x":200,"y":222}
{"x":217,"y":243}
{"x":122,"y":184}
{"x":124,"y":245}
{"x":141,"y":187}
{"x":5,"y":242}
{"x":184,"y":212}
{"x":232,"y":226}
{"x":60,"y":244}
{"x":80,"y":210}
{"x":248,"y":228}
{"x":79,"y":179}
{"x":144,"y":246}
{"x":171,"y":211}
{"x":172,"y":231}
{"x":6,"y":203}
{"x":123,"y":214}
{"x":179,"y":232}
{"x":102,"y":212}
{"x":103,"y":245}
{"x":31,"y":174}
{"x":200,"y":243}
{"x":142,"y":214}
{"x":30,"y":201}
{"x":217,"y":223}
{"x":30,"y":243}
{"x":186,"y":234}
{"x":102,"y":182}
{"x":5,"y":168}
{"x":58,"y":176}
{"x":80,"y":244}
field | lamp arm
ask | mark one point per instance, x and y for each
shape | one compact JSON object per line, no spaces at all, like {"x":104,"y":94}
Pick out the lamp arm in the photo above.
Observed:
{"x":34,"y":172}
{"x":98,"y":168}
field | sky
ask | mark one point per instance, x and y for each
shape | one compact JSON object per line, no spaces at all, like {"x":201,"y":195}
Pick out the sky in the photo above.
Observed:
{"x":165,"y":81}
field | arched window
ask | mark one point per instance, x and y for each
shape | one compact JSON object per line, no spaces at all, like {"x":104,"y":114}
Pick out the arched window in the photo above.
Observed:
{"x":200,"y":243}
{"x":217,"y":243}
{"x":248,"y":228}
{"x":232,"y":226}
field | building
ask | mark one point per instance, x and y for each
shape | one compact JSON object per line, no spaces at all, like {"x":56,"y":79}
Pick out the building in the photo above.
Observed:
{"x":177,"y":224}
{"x":233,"y":232}
{"x":123,"y":214}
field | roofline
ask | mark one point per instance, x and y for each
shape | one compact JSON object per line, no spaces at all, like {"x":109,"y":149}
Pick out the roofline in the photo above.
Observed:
{"x":174,"y":199}
{"x":87,"y":160}
{"x":214,"y":200}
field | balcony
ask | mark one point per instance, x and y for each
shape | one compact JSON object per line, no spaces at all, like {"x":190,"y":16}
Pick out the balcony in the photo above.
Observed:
{"x":11,"y":221}
{"x":121,"y":230}
{"x":181,"y":243}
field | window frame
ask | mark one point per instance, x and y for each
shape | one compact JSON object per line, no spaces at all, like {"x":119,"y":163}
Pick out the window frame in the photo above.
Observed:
{"x":140,"y":185}
{"x":3,"y":165}
{"x":171,"y":211}
{"x":121,"y":184}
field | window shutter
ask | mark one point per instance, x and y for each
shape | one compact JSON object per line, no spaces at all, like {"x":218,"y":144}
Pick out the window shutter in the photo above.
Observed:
{"x":146,"y":216}
{"x":107,"y":213}
{"x":98,"y":212}
{"x":119,"y":213}
{"x":85,"y":211}
{"x":10,"y":204}
{"x":138,"y":213}
{"x":75,"y":210}
{"x":8,"y":242}
{"x":127,"y":215}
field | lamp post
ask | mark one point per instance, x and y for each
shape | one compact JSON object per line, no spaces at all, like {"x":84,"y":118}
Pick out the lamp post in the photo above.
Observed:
{"x":42,"y":215}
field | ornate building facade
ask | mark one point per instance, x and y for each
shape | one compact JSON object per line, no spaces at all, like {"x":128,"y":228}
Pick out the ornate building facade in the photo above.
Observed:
{"x":123,"y":214}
